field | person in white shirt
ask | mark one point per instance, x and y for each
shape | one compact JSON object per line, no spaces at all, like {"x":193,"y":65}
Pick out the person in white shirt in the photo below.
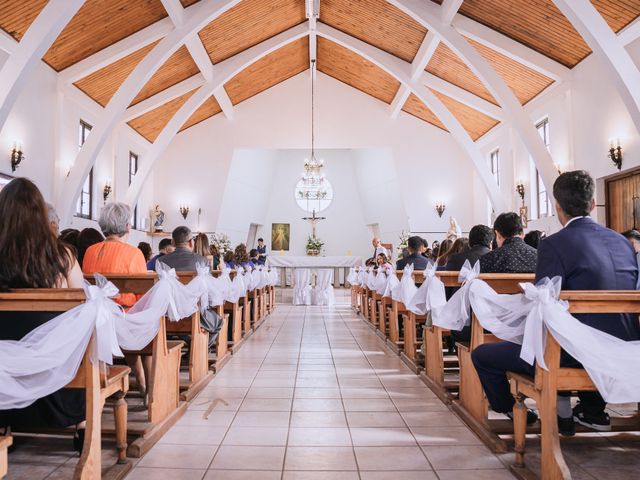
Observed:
{"x":378,"y":248}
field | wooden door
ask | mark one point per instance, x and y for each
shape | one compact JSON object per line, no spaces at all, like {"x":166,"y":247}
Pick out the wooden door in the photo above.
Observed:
{"x":623,"y":201}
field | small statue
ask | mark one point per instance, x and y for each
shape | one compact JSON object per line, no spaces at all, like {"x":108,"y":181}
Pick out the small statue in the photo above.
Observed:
{"x":157,"y":218}
{"x":455,"y":231}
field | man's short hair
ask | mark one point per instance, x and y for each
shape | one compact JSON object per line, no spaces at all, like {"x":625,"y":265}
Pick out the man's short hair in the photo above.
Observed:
{"x":414,"y":243}
{"x":632,"y":235}
{"x":574,"y":192}
{"x":261,"y":240}
{"x":164,"y":243}
{"x":425,"y":243}
{"x":481,"y":235}
{"x":508,"y":224}
{"x":253,"y":253}
{"x":181,"y":235}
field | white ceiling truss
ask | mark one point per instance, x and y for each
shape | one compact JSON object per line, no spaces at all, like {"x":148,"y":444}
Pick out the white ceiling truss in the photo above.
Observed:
{"x":443,"y":22}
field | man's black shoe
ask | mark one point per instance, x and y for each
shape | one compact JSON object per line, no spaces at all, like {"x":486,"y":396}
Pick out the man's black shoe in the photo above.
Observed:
{"x":599,"y":421}
{"x":532,"y":417}
{"x":566,"y":426}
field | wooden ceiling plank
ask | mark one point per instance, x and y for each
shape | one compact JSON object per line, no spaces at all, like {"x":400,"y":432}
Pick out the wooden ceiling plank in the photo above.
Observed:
{"x":151,"y":123}
{"x":270,"y":70}
{"x":475,"y":123}
{"x":249,"y":23}
{"x":207,"y":110}
{"x":99,"y":24}
{"x":630,"y":33}
{"x":17,"y":17}
{"x":413,"y":106}
{"x":350,"y":68}
{"x":377,"y":23}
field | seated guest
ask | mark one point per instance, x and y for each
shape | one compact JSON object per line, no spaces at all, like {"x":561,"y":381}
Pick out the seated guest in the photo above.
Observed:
{"x":444,"y":247}
{"x":512,"y":254}
{"x":383,"y":263}
{"x":201,"y":247}
{"x":377,"y":248}
{"x":33,"y":258}
{"x":54,"y":220}
{"x":415,"y":258}
{"x":534,"y":237}
{"x":254,"y":257}
{"x":460,"y":245}
{"x":229,"y":261}
{"x":70,"y":237}
{"x":183,"y":258}
{"x":426,"y":251}
{"x":480,"y":238}
{"x":633,"y":236}
{"x":87,"y":237}
{"x":165,"y":247}
{"x":115,"y":256}
{"x":213,"y":251}
{"x":241,"y":256}
{"x":586,"y":256}
{"x":262,"y":251}
{"x":145,"y":248}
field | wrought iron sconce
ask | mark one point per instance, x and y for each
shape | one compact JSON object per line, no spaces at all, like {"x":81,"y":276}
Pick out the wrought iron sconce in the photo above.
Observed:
{"x":520,"y":190}
{"x":16,"y":156}
{"x":106,"y":191}
{"x":615,"y":153}
{"x":184,"y":211}
{"x":440,"y":208}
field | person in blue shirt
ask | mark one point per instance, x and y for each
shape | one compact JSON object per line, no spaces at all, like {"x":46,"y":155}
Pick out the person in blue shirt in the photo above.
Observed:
{"x":229,"y":261}
{"x":262,"y":251}
{"x":165,"y":247}
{"x":254,"y":258}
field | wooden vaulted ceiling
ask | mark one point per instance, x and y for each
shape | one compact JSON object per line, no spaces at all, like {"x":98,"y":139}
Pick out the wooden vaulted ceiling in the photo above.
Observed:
{"x":537,"y":24}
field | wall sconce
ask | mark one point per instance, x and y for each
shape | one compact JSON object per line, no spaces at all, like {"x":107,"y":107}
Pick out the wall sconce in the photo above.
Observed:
{"x":184,"y":211}
{"x":106,"y":191}
{"x":440,"y":208}
{"x":16,"y":156}
{"x":615,"y":153}
{"x":520,"y":190}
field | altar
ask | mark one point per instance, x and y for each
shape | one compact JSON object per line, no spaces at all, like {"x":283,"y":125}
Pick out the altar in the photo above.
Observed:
{"x":340,"y":265}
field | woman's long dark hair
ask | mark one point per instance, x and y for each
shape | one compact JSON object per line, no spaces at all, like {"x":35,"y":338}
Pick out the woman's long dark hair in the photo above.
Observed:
{"x":31,"y":256}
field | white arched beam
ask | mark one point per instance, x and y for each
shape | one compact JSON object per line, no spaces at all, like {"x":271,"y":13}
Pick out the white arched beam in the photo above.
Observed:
{"x":224,"y":72}
{"x":195,"y":19}
{"x":608,"y":49}
{"x":401,"y":71}
{"x":34,"y":44}
{"x":429,"y":14}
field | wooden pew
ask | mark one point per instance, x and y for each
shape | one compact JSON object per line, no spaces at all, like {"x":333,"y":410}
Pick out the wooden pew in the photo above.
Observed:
{"x":5,"y":443}
{"x":435,"y":362}
{"x":99,"y":381}
{"x":544,"y":387}
{"x":472,"y":405}
{"x":165,"y":406}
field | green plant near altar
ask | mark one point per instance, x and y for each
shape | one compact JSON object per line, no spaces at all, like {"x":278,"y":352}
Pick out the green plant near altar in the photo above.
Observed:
{"x":314,"y":245}
{"x":404,"y":243}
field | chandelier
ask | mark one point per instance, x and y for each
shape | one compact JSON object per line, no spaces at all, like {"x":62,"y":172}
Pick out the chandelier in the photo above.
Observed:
{"x":313,"y":180}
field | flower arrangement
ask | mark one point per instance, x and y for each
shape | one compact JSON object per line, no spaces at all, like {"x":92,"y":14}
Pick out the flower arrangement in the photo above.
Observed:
{"x":404,"y":243}
{"x":314,"y":245}
{"x":221,"y":242}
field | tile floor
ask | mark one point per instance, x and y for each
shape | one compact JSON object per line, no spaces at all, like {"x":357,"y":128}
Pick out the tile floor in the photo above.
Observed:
{"x":314,"y":394}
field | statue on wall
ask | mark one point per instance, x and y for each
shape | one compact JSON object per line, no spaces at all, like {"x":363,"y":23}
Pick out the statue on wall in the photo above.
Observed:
{"x":157,"y":219}
{"x":455,"y":231}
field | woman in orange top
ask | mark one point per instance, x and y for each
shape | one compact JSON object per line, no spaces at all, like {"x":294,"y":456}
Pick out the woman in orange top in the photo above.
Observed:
{"x":116,"y":256}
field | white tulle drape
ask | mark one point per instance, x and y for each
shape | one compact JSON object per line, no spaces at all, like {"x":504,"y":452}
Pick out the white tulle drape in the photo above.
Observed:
{"x":406,"y":288}
{"x":430,"y":295}
{"x":47,"y":358}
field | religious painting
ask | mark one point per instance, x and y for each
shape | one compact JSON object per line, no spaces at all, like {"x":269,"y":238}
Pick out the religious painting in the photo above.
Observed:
{"x":280,"y":236}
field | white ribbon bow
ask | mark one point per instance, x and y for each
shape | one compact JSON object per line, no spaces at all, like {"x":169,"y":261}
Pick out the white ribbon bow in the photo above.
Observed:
{"x":107,"y":311}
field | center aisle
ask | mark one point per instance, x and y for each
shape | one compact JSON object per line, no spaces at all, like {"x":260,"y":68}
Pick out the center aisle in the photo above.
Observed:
{"x":314,"y":394}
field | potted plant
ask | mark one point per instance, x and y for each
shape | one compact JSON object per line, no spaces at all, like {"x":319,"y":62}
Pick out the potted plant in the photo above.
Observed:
{"x":314,"y":245}
{"x":404,"y":242}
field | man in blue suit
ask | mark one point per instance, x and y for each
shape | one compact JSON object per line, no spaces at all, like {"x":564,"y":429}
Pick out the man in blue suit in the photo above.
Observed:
{"x":415,"y":257}
{"x":587,"y":256}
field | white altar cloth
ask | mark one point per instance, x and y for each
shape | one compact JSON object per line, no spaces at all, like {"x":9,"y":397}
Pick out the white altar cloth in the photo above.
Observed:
{"x":308,"y":261}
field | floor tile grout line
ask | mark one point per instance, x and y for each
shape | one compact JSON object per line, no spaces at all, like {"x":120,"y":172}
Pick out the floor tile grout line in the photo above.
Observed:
{"x":293,"y":396}
{"x":217,"y":450}
{"x":394,"y":403}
